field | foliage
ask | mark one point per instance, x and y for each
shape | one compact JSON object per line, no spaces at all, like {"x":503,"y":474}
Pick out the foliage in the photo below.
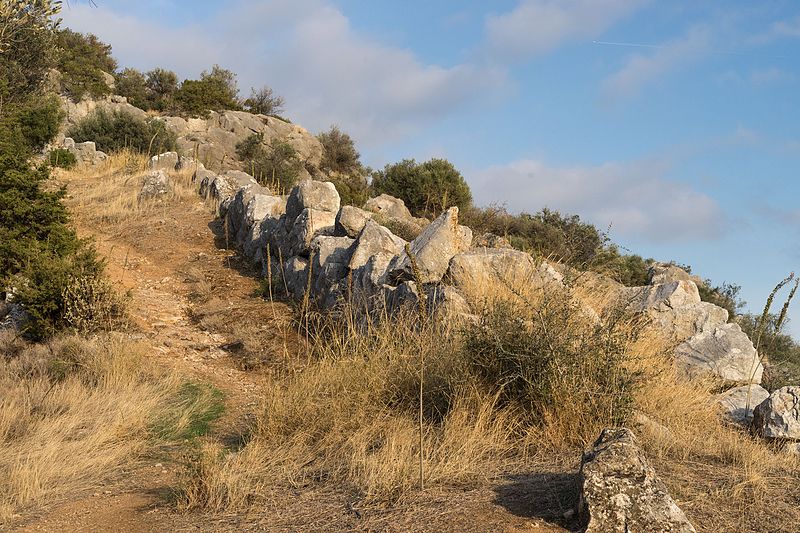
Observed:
{"x":276,"y":165}
{"x":61,"y":158}
{"x":161,"y":84}
{"x":225,"y":77}
{"x":26,"y":47}
{"x":198,"y":97}
{"x":725,"y":296}
{"x":426,"y":188}
{"x":353,"y":188}
{"x":84,"y":61}
{"x":264,"y":101}
{"x":91,"y":304}
{"x":116,"y":130}
{"x":340,"y":153}
{"x":132,"y":85}
{"x":39,"y":121}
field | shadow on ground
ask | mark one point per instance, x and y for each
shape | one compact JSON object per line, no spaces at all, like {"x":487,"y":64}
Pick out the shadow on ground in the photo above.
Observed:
{"x":550,"y":496}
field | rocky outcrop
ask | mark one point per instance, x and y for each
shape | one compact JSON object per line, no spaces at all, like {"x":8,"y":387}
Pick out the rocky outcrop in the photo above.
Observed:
{"x":74,"y":112}
{"x":620,"y":491}
{"x":389,"y":207}
{"x":214,"y":139}
{"x":351,"y":220}
{"x":725,"y":352}
{"x":739,"y":403}
{"x":166,"y":161}
{"x":667,"y":272}
{"x":778,"y":417}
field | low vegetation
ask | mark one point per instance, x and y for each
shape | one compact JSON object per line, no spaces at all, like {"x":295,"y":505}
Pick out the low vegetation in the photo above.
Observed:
{"x":61,"y":425}
{"x":114,"y":131}
{"x":84,"y":62}
{"x":275,"y":165}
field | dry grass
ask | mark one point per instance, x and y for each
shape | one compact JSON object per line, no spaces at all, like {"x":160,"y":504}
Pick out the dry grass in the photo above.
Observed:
{"x":74,"y":412}
{"x":112,"y":200}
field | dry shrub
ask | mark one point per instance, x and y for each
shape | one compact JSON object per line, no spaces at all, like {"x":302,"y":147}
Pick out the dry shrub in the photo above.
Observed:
{"x":74,"y":412}
{"x":91,"y":304}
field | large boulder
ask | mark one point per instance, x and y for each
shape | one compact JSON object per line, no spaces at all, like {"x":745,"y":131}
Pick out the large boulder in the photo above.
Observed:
{"x":778,"y":417}
{"x":620,"y":491}
{"x":222,"y":188}
{"x":351,"y":220}
{"x":86,"y":153}
{"x":307,"y":225}
{"x":725,"y":352}
{"x":309,"y":194}
{"x":739,"y":403}
{"x":331,"y":256}
{"x":675,"y":307}
{"x":388,"y":206}
{"x":433,"y":249}
{"x":368,"y":281}
{"x":374,"y":239}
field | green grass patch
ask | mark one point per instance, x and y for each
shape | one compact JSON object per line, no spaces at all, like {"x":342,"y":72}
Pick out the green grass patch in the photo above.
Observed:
{"x":196,"y":407}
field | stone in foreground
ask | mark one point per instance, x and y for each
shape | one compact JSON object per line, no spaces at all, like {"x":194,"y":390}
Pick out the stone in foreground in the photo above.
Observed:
{"x":620,"y":491}
{"x":778,"y":417}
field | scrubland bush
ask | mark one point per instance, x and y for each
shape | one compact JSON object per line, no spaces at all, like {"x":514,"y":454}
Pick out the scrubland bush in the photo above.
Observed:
{"x":116,"y":131}
{"x":82,"y":60}
{"x":214,"y":91}
{"x":39,"y":121}
{"x":426,"y":188}
{"x":340,"y":154}
{"x":264,"y":101}
{"x":276,"y":165}
{"x":62,"y":158}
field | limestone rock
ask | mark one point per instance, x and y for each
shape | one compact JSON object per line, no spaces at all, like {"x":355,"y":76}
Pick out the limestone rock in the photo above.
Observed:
{"x":86,"y":153}
{"x":307,"y":225}
{"x":167,"y":161}
{"x":726,"y":352}
{"x":620,"y":491}
{"x":778,"y":417}
{"x":351,"y":220}
{"x":295,"y":276}
{"x":309,"y":194}
{"x":483,"y":267}
{"x":374,"y":239}
{"x":659,"y":273}
{"x":388,"y":206}
{"x":739,"y":403}
{"x":433,"y":249}
{"x":330,"y":258}
{"x":154,"y":185}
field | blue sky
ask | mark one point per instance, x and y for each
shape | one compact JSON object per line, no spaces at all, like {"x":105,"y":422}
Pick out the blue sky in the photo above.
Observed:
{"x":674,"y":123}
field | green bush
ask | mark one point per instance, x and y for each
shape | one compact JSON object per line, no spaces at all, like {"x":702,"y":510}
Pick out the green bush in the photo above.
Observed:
{"x":40,"y":120}
{"x":725,"y":296}
{"x":340,"y":154}
{"x":197,"y":97}
{"x":426,"y":188}
{"x":132,"y":85}
{"x":264,"y":101}
{"x":276,"y":166}
{"x":83,"y":61}
{"x":161,"y":84}
{"x":62,"y":158}
{"x":548,"y":358}
{"x":115,"y":131}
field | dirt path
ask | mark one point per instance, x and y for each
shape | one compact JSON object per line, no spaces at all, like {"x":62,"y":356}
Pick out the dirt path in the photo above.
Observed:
{"x":194,"y":304}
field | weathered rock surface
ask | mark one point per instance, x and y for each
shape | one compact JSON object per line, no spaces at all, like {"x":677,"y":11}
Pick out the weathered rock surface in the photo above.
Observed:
{"x":214,"y":139}
{"x":351,"y":220}
{"x":154,"y":185}
{"x":484,"y":267}
{"x":167,"y":161}
{"x":739,"y":403}
{"x":388,"y":206}
{"x":86,"y":153}
{"x":778,"y":417}
{"x":433,"y":249}
{"x":726,"y":352}
{"x":620,"y":491}
{"x":374,"y":239}
{"x":309,"y":194}
{"x":666,"y":272}
{"x":307,"y":225}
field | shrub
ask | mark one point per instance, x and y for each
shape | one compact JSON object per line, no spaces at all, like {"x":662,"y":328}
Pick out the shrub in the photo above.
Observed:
{"x":340,"y":153}
{"x":162,"y":84}
{"x":91,"y":304}
{"x":264,"y":101}
{"x":39,"y":121}
{"x":84,"y":62}
{"x":427,"y":188}
{"x":725,"y":296}
{"x":115,"y":131}
{"x":62,"y":158}
{"x":198,"y":97}
{"x":276,"y":166}
{"x":353,"y":188}
{"x":132,"y":85}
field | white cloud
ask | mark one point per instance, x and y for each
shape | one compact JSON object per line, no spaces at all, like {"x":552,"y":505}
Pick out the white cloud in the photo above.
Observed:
{"x":642,"y":69}
{"x":786,"y":28}
{"x":768,"y":76}
{"x":537,"y":26}
{"x":308,"y":52}
{"x":633,"y":198}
